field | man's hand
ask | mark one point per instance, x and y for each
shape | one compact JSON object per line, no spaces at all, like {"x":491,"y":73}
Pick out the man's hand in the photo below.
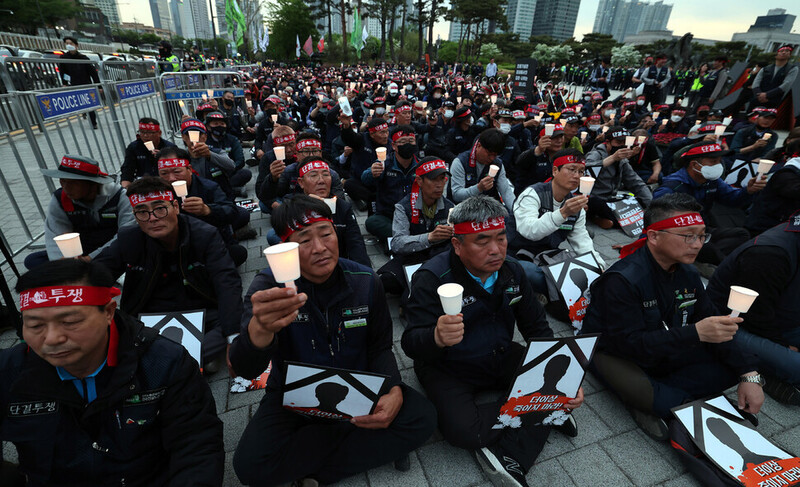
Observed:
{"x":653,"y":177}
{"x":276,"y":168}
{"x":449,"y":330}
{"x":544,"y":142}
{"x":347,"y":151}
{"x":759,"y":144}
{"x":377,"y":169}
{"x":574,"y":205}
{"x":200,"y":149}
{"x":440,"y":233}
{"x":756,"y":184}
{"x":273,"y":310}
{"x":259,"y":154}
{"x":486,"y":184}
{"x":624,"y":153}
{"x":717,"y":329}
{"x":577,"y":401}
{"x":195,"y":206}
{"x":762,"y":97}
{"x":751,"y":395}
{"x":386,"y":410}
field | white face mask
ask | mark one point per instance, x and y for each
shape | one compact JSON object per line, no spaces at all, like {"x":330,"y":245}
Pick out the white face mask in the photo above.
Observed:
{"x":448,"y":114}
{"x":393,"y":91}
{"x":409,"y":87}
{"x":640,"y":102}
{"x":70,"y":47}
{"x":594,"y":128}
{"x":711,"y":173}
{"x":505,"y":127}
{"x":676,"y":118}
{"x":420,"y":87}
{"x":437,"y":96}
{"x":608,"y":113}
{"x":380,"y":111}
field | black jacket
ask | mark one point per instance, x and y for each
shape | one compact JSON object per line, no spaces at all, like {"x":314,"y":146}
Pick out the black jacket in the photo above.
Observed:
{"x":207,"y":269}
{"x":223,"y":211}
{"x":74,"y":74}
{"x":153,"y":423}
{"x":139,"y":161}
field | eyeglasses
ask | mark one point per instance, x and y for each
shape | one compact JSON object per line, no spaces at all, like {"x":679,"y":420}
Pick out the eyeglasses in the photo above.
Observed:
{"x":579,"y":172}
{"x":691,"y":238}
{"x":144,"y":215}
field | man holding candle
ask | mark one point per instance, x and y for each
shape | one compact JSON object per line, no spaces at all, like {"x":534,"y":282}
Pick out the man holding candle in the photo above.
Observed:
{"x":336,"y":317}
{"x":205,"y":200}
{"x":458,"y":357}
{"x":470,"y":170}
{"x":140,"y":159}
{"x":534,"y":165}
{"x":663,"y":342}
{"x":175,"y":263}
{"x":754,"y":141}
{"x":89,"y":202}
{"x":209,"y":163}
{"x":92,"y":397}
{"x":228,"y":144}
{"x":363,"y":156}
{"x":781,"y":196}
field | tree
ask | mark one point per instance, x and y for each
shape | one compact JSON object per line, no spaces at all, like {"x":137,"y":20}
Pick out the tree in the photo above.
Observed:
{"x":28,"y":14}
{"x":384,"y":10}
{"x":625,"y":56}
{"x":598,"y":45}
{"x":489,"y":50}
{"x":289,"y":20}
{"x":546,"y":54}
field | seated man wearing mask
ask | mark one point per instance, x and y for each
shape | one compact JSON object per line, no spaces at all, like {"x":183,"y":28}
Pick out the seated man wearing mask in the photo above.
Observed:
{"x":139,"y":160}
{"x":701,"y":177}
{"x":173,"y":262}
{"x":535,"y":165}
{"x":92,"y":397}
{"x":663,"y":342}
{"x":458,"y":357}
{"x":205,"y":200}
{"x":363,"y":145}
{"x":282,"y":324}
{"x":209,"y":163}
{"x":420,"y":229}
{"x":391,"y":179}
{"x":225,"y":143}
{"x":89,"y":202}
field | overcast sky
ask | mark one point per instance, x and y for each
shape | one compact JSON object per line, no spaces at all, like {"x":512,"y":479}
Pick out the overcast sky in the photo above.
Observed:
{"x":714,"y":19}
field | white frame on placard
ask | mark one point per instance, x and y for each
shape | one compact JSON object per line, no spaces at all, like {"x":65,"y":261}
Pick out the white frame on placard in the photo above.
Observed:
{"x":184,"y":320}
{"x":557,"y":274}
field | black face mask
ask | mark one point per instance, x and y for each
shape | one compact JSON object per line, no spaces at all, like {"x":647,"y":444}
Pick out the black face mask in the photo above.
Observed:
{"x":227,"y":103}
{"x":217,"y":132}
{"x":406,"y":151}
{"x":612,"y":150}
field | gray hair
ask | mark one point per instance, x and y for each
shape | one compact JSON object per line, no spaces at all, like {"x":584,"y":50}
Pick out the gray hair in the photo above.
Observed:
{"x":477,"y":209}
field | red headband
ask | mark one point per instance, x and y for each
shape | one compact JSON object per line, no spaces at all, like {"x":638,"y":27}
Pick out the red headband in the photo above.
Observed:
{"x":138,"y":199}
{"x":785,"y":48}
{"x":282,"y":139}
{"x":685,"y":220}
{"x":424,"y":169}
{"x":378,"y":128}
{"x":309,"y":143}
{"x":703,"y":149}
{"x":78,"y":166}
{"x":309,"y":218}
{"x":465,"y":228}
{"x":767,"y":111}
{"x":149,"y":126}
{"x":313,"y":166}
{"x":568,"y":159}
{"x":404,"y":108}
{"x":465,"y":114}
{"x":45,"y":297}
{"x":176,"y":162}
{"x":400,"y":133}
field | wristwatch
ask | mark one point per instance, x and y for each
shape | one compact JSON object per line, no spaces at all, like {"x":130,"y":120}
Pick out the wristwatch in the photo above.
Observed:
{"x":757,"y":379}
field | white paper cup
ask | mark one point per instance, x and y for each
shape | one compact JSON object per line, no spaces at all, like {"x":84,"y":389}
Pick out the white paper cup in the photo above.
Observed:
{"x":180,"y":188}
{"x":249,"y":103}
{"x":458,"y":99}
{"x":767,"y":136}
{"x":764,"y":166}
{"x":605,"y":129}
{"x":210,"y":93}
{"x":381,"y":153}
{"x":204,"y":97}
{"x":280,"y":152}
{"x":740,"y":300}
{"x":493,"y":170}
{"x":584,"y":135}
{"x":586,"y":185}
{"x":538,"y":117}
{"x":640,"y":139}
{"x":450,"y":214}
{"x":630,"y":140}
{"x":331,"y":202}
{"x":612,"y":116}
{"x":194,"y":136}
{"x":150,"y":146}
{"x":627,"y":114}
{"x":719,"y":130}
{"x":284,"y":261}
{"x":549,"y":128}
{"x":450,"y":295}
{"x":665,"y":121}
{"x":655,"y":115}
{"x":424,"y":104}
{"x":274,"y":117}
{"x":69,"y":244}
{"x":494,"y":99}
{"x":727,"y":121}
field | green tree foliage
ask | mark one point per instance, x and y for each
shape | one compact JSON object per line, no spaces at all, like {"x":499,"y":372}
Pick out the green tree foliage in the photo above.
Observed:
{"x":547,"y":54}
{"x":597,"y":45}
{"x":27,"y":16}
{"x":625,"y":56}
{"x":289,"y":19}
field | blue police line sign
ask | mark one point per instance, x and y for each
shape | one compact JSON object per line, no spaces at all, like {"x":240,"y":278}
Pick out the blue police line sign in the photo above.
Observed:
{"x":135,"y":89}
{"x":195,"y":94}
{"x":54,"y":105}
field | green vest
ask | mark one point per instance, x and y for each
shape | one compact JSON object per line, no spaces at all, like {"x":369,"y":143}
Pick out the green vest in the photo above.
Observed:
{"x":174,"y":62}
{"x":697,"y":85}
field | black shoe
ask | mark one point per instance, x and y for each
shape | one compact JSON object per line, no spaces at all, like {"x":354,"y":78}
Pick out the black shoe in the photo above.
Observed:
{"x":502,"y":470}
{"x":251,"y":162}
{"x":655,"y":427}
{"x":569,"y":428}
{"x":94,"y":126}
{"x":781,"y":391}
{"x":245,"y":233}
{"x":361,"y":205}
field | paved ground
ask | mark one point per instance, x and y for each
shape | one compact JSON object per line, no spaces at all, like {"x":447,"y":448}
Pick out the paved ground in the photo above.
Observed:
{"x":609,"y":450}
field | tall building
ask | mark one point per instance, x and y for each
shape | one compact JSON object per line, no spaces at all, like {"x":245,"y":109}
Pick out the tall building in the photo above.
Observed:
{"x":771,"y":31}
{"x":456,"y":29}
{"x":555,"y":18}
{"x":191,"y":19}
{"x":109,"y":9}
{"x":219,"y":19}
{"x":520,"y":17}
{"x":162,"y":18}
{"x":622,"y":18}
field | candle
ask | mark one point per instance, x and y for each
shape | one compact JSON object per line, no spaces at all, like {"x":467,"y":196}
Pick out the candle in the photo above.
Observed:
{"x":458,"y":99}
{"x":194,"y":136}
{"x":284,"y":261}
{"x":210,"y":93}
{"x":450,"y":295}
{"x":630,"y":140}
{"x":627,"y":114}
{"x":612,"y":116}
{"x":727,"y":121}
{"x":767,"y":136}
{"x":583,"y":136}
{"x":493,"y":170}
{"x":655,"y":115}
{"x":538,"y":117}
{"x":549,"y":128}
{"x":740,"y":300}
{"x":320,"y":96}
{"x":697,"y":122}
{"x":381,"y":153}
{"x":331,"y":202}
{"x":605,"y":128}
{"x":586,"y":184}
{"x":449,"y":215}
{"x":180,"y":189}
{"x":249,"y":103}
{"x":764,"y":166}
{"x":150,"y":146}
{"x":274,"y":117}
{"x":204,"y":97}
{"x":424,"y":104}
{"x":280,"y":152}
{"x":493,"y":98}
{"x":69,"y":244}
{"x":664,"y":122}
{"x":183,"y":107}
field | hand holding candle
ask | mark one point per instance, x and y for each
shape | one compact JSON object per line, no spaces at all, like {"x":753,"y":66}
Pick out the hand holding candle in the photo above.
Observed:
{"x":150,"y":146}
{"x":180,"y":189}
{"x":493,"y":170}
{"x":586,"y":184}
{"x":740,"y":300}
{"x":764,"y":167}
{"x":450,"y":296}
{"x":69,"y":244}
{"x":280,"y":152}
{"x":284,"y":261}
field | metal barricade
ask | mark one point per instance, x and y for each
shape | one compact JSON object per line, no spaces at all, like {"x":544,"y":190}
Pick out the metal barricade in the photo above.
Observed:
{"x":183,"y":92}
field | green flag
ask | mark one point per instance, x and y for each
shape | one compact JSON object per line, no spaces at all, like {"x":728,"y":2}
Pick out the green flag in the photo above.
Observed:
{"x":236,"y":21}
{"x":355,"y":36}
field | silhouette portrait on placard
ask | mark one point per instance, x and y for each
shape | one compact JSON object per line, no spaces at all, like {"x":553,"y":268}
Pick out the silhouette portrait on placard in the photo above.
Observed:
{"x":554,"y":371}
{"x":580,"y":279}
{"x":723,"y":431}
{"x":329,"y":395}
{"x":174,"y":333}
{"x":741,"y":176}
